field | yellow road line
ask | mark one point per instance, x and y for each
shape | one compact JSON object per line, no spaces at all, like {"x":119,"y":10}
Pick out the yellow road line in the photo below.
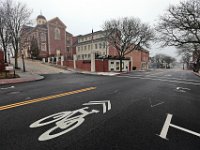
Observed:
{"x":45,"y":98}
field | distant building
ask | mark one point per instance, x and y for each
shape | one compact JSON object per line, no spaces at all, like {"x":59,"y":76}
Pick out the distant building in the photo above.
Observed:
{"x":96,"y":43}
{"x":89,"y":43}
{"x":50,"y":37}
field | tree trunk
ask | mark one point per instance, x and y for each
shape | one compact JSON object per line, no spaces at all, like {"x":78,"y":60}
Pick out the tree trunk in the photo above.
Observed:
{"x":16,"y":62}
{"x":5,"y":55}
{"x":23,"y":63}
{"x":120,"y":64}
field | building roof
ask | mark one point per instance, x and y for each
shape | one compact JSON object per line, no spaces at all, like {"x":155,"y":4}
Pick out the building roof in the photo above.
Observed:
{"x":94,"y":33}
{"x":40,"y":17}
{"x":57,"y":19}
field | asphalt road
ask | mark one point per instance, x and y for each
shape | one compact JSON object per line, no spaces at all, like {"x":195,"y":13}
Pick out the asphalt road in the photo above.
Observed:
{"x":136,"y":111}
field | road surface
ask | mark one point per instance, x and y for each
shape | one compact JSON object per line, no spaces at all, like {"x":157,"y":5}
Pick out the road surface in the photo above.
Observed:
{"x":134,"y":111}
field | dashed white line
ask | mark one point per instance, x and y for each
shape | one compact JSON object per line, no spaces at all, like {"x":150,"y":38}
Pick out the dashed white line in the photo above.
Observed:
{"x":172,"y":81}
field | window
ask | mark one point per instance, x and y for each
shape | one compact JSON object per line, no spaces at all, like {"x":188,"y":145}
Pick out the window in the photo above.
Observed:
{"x":88,"y":55}
{"x":43,"y":37}
{"x":100,"y":45}
{"x":96,"y":46}
{"x":117,"y":65}
{"x":83,"y":56}
{"x":112,"y":62}
{"x":85,"y":47}
{"x":57,"y":34}
{"x":104,"y":45}
{"x":79,"y":49}
{"x":58,"y":52}
{"x":88,"y":47}
{"x":43,"y":47}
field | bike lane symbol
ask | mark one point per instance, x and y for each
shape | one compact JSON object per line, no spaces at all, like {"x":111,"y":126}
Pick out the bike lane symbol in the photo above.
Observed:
{"x":64,"y":121}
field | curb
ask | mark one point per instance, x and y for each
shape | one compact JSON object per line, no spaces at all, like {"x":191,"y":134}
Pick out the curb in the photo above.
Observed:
{"x":20,"y":80}
{"x":99,"y":73}
{"x":197,"y":74}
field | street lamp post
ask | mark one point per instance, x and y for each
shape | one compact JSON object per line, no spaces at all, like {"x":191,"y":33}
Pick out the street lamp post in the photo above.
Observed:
{"x":23,"y":63}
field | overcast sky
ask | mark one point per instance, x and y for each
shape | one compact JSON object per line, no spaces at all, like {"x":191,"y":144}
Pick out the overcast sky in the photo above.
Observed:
{"x":80,"y":16}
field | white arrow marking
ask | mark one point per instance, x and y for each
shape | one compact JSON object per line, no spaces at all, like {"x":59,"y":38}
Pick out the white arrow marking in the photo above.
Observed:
{"x":181,"y":88}
{"x":11,"y":87}
{"x":102,"y":103}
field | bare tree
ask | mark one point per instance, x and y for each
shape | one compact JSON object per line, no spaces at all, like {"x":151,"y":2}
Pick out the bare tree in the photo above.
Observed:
{"x":180,"y":27}
{"x":18,"y":15}
{"x":163,"y":60}
{"x":189,"y":51}
{"x":180,"y":24}
{"x":127,"y":35}
{"x":4,"y":32}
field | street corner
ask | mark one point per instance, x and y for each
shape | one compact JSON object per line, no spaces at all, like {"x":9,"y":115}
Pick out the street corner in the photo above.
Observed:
{"x":22,"y":79}
{"x":197,"y":74}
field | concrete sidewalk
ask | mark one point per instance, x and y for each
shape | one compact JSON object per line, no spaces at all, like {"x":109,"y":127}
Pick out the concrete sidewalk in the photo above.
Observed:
{"x":24,"y":77}
{"x":95,"y":73}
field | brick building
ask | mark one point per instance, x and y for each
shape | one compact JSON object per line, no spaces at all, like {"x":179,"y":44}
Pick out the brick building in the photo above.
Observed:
{"x":85,"y":46}
{"x":51,"y":38}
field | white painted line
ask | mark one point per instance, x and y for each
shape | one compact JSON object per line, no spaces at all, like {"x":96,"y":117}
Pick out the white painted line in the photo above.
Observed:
{"x":178,"y":79}
{"x":11,"y":87}
{"x":155,"y":73}
{"x":167,"y":124}
{"x":172,"y":81}
{"x":168,"y":75}
{"x":15,"y":92}
{"x":102,"y":103}
{"x":163,"y":133}
{"x":157,"y":104}
{"x":185,"y":130}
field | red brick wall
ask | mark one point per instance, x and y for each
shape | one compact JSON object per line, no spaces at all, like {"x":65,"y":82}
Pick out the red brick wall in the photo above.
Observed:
{"x":69,"y":63}
{"x":83,"y":66}
{"x":138,"y":57}
{"x":112,"y":51}
{"x":101,"y":66}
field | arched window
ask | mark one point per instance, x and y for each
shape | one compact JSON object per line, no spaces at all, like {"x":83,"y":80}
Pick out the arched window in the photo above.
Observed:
{"x":57,"y":33}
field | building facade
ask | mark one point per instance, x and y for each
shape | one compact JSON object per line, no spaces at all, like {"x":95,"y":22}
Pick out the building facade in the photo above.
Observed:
{"x":48,"y":38}
{"x":96,"y":43}
{"x":91,"y":43}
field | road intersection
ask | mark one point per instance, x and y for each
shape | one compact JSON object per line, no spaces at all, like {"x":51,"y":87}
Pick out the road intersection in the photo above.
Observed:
{"x":144,"y":110}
